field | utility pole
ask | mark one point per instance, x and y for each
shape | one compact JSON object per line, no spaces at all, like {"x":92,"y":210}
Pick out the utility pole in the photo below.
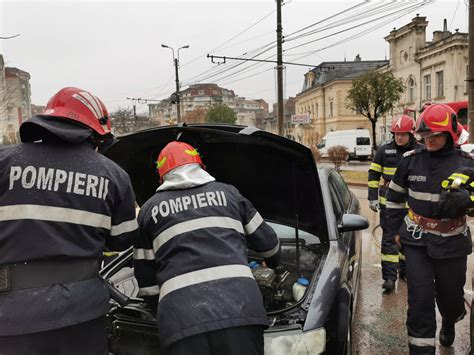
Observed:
{"x":134,"y":100}
{"x":178,"y":105}
{"x":280,"y":69}
{"x":470,"y":78}
{"x":176,"y":65}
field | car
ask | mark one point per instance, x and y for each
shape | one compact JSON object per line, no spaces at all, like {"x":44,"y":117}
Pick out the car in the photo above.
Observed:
{"x":311,"y":209}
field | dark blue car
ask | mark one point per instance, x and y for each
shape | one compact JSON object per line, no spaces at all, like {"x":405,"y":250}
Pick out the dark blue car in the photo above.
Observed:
{"x":312,"y":210}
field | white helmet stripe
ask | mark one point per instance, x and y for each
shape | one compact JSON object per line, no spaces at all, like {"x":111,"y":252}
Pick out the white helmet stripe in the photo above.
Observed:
{"x":93,"y":102}
{"x":87,"y":104}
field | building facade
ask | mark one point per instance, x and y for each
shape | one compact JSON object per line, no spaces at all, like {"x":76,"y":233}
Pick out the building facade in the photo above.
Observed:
{"x":15,"y":100}
{"x":200,"y":97}
{"x":324,"y":99}
{"x":432,"y":71}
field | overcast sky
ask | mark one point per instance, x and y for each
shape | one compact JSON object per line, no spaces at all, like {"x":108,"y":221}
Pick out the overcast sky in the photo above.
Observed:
{"x":114,"y":48}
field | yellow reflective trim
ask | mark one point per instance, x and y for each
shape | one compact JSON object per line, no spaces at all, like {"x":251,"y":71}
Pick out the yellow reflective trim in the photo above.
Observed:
{"x":191,"y":152}
{"x":463,"y":177}
{"x":389,"y":171}
{"x":471,"y":184}
{"x":390,"y":258}
{"x":373,"y":183}
{"x":383,"y":200}
{"x":401,"y":256}
{"x":472,"y":197}
{"x":376,"y":167}
{"x":110,"y":253}
{"x":445,"y":184}
{"x":161,"y":162}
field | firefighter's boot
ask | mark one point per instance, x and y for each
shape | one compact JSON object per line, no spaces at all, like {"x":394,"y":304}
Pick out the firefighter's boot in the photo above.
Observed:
{"x":389,"y":285}
{"x":447,"y":333}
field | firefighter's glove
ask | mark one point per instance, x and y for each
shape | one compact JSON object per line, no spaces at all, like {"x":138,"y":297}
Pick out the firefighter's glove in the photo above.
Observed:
{"x":461,"y":178}
{"x":374,"y":205}
{"x":454,"y":203}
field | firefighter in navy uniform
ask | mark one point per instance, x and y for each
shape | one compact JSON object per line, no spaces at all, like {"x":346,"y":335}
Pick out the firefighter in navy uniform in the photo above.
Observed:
{"x":192,"y":255}
{"x":61,"y":202}
{"x":381,"y":172}
{"x":436,"y":240}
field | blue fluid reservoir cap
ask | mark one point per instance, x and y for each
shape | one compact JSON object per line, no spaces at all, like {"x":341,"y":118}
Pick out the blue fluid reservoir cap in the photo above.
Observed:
{"x":253,"y":264}
{"x":303,"y":281}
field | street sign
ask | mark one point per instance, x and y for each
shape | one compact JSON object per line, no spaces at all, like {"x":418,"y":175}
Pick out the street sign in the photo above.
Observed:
{"x":302,"y":119}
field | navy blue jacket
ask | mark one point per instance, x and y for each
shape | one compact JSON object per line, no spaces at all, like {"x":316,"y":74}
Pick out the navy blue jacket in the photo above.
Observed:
{"x":418,"y":181}
{"x":192,"y":251}
{"x":60,"y":202}
{"x":384,"y":166}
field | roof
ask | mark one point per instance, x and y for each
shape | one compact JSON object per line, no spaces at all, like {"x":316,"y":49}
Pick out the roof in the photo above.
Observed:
{"x":328,"y":71}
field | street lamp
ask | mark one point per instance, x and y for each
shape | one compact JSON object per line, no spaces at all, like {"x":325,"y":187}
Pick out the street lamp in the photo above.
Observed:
{"x":176,"y":63}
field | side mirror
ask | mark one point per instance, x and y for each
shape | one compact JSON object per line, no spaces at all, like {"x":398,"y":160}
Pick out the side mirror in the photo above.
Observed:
{"x":352,"y":222}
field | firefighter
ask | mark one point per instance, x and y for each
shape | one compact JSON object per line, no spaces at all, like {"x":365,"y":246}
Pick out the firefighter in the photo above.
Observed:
{"x":436,"y":241}
{"x":381,"y":171}
{"x":61,"y":203}
{"x":191,"y":258}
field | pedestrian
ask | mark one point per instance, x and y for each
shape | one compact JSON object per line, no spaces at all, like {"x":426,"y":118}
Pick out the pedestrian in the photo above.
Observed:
{"x":61,"y":203}
{"x":436,"y":241}
{"x":381,"y":172}
{"x":191,"y":259}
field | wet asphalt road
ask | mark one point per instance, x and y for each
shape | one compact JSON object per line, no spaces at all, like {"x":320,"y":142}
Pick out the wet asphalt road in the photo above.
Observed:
{"x":379,"y":322}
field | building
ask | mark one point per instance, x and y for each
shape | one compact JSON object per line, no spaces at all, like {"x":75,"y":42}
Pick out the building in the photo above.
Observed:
{"x":432,"y":71}
{"x":36,"y":110}
{"x":324,"y":99}
{"x":269,"y":121}
{"x":201,"y":97}
{"x":15,"y":100}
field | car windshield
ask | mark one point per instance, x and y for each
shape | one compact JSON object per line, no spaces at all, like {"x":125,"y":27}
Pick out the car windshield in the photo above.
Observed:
{"x":286,"y":232}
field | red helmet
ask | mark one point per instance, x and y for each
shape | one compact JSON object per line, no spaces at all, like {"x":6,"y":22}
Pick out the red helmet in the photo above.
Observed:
{"x":81,"y":106}
{"x":405,"y":124}
{"x":176,"y":154}
{"x":438,"y":118}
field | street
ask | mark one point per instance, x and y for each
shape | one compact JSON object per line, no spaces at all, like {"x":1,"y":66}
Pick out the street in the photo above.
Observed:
{"x":379,"y":323}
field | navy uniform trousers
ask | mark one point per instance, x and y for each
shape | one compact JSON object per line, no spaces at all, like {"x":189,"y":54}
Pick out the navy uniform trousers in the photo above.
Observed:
{"x":443,"y":278}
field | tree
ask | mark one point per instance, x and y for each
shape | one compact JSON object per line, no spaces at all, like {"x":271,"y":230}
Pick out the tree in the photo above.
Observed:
{"x":221,"y":113}
{"x":198,"y":115}
{"x":338,"y":154}
{"x":373,"y":95}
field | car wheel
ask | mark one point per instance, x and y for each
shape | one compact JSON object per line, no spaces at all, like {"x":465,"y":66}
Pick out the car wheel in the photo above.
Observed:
{"x":344,"y":337}
{"x":348,"y":345}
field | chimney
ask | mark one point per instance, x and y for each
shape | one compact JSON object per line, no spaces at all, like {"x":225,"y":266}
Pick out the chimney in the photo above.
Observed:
{"x":445,"y":25}
{"x":357,"y":58}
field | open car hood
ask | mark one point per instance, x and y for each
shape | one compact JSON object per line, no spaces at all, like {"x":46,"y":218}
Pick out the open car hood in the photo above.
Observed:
{"x":278,"y":175}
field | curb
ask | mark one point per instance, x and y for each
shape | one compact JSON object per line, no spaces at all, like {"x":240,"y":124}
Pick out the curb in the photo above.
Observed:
{"x":356,"y":184}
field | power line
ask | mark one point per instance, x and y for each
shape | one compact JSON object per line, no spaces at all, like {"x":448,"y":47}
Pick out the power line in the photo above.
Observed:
{"x":231,"y":39}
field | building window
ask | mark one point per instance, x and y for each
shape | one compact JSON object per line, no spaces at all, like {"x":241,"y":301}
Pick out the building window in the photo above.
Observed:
{"x":427,"y":83}
{"x":440,"y":83}
{"x":201,"y":92}
{"x":331,"y":112}
{"x":411,"y":89}
{"x":317,"y":111}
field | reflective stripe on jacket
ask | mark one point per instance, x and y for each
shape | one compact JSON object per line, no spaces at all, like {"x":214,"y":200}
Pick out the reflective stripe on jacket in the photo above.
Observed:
{"x":60,"y":201}
{"x":192,"y":250}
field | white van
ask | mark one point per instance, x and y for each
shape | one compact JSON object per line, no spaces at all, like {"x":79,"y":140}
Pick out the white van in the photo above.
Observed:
{"x":357,"y":142}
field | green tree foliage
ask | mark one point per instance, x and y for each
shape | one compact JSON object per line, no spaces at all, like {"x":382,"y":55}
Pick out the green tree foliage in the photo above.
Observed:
{"x":373,"y":95}
{"x":221,"y":114}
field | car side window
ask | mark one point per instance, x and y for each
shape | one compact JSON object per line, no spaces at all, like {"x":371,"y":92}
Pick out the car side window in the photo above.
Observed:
{"x":336,"y":203}
{"x":342,"y":189}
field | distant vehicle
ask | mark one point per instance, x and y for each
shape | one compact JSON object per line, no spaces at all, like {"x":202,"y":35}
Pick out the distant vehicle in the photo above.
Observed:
{"x":460,"y":107}
{"x":357,"y":142}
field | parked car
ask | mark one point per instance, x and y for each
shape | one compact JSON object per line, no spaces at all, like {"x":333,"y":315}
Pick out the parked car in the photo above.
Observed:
{"x":357,"y":142}
{"x":314,"y":214}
